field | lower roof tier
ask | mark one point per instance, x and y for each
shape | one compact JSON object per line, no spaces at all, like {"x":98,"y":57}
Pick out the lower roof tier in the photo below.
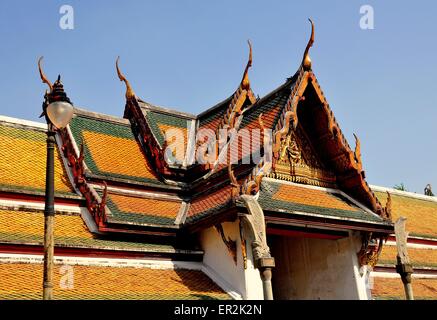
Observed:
{"x":91,"y":282}
{"x":419,"y":257}
{"x":393,"y":289}
{"x":420,"y":211}
{"x":26,"y":228}
{"x":292,"y":198}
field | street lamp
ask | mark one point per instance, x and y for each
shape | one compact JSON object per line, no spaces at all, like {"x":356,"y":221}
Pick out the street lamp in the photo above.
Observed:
{"x":58,"y":112}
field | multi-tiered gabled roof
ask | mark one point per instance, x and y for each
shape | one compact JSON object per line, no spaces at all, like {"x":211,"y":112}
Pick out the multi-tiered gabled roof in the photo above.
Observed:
{"x":123,"y":196}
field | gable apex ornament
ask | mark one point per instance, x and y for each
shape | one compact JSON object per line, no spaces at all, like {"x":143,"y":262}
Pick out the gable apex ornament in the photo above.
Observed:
{"x":43,"y":76}
{"x":306,"y":61}
{"x":130,"y":94}
{"x":245,"y":83}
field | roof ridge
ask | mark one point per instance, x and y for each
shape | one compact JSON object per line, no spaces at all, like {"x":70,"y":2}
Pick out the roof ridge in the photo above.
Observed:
{"x":404,"y":193}
{"x":168,"y":111}
{"x":222,"y":103}
{"x":100,"y":116}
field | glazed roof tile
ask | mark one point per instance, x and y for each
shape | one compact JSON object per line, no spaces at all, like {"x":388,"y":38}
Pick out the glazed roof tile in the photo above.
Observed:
{"x":294,"y":198}
{"x":421,"y":214}
{"x":23,"y":281}
{"x":419,"y":257}
{"x":160,"y":122}
{"x":270,"y":106}
{"x":23,"y":161}
{"x":27,"y":227}
{"x":209,"y":203}
{"x":141,"y":210}
{"x":392,"y":288}
{"x":111,"y":150}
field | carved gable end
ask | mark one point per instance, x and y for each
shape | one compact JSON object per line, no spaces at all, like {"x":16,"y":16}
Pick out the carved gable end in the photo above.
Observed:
{"x":299,"y":162}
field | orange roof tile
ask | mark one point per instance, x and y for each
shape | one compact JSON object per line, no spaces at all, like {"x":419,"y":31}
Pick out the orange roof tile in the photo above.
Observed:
{"x":111,"y":150}
{"x":418,"y":257}
{"x":24,"y":281}
{"x":392,"y":288}
{"x":279,"y":196}
{"x":144,"y":206}
{"x":209,"y":202}
{"x":117,"y":155}
{"x":23,"y":160}
{"x":27,"y":227}
{"x":312,"y":197}
{"x":421,"y":214}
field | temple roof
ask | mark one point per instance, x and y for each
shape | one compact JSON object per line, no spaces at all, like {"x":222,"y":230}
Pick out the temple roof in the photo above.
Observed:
{"x":141,"y":208}
{"x":92,"y":282}
{"x":26,"y":227}
{"x":23,"y":160}
{"x":393,"y":289}
{"x":420,"y":211}
{"x":293,"y":198}
{"x":109,"y":146}
{"x":421,"y":225}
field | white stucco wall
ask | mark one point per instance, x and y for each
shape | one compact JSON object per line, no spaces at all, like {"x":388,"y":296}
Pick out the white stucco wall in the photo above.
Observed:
{"x":247,"y":282}
{"x":309,"y":268}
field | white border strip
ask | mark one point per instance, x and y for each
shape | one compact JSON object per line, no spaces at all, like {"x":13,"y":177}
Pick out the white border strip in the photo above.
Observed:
{"x":222,"y":283}
{"x":376,"y":274}
{"x":22,"y":122}
{"x":414,"y":245}
{"x":404,"y":193}
{"x":33,"y":205}
{"x":138,"y":193}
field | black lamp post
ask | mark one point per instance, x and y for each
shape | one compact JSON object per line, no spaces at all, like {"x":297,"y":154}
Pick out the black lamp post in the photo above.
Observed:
{"x":58,"y":112}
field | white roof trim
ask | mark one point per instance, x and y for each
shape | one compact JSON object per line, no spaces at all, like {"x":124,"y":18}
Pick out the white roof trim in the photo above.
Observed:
{"x":413,"y":245}
{"x":34,"y":205}
{"x":222,"y":283}
{"x":394,"y":274}
{"x":138,"y":193}
{"x":104,"y":262}
{"x":22,"y":122}
{"x":404,"y":193}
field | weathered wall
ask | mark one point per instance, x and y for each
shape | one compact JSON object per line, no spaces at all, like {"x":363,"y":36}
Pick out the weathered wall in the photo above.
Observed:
{"x":247,"y":282}
{"x":317,"y":269}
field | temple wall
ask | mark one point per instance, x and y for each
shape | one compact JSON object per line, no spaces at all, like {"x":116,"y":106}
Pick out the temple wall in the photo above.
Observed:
{"x":308,"y":268}
{"x":247,"y":282}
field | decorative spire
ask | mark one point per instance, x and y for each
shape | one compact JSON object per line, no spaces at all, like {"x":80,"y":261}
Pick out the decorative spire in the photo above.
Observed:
{"x":306,"y":62}
{"x":43,"y":76}
{"x":245,"y":83}
{"x":357,"y":152}
{"x":130,"y":94}
{"x":388,"y":208}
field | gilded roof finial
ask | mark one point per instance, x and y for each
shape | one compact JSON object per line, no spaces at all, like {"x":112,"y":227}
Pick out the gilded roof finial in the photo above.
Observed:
{"x":245,"y":83}
{"x":42,"y":75}
{"x":306,"y":62}
{"x":129,"y":92}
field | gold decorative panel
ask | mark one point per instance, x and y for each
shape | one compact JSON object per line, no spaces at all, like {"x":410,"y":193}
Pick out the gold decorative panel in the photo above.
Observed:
{"x":298,"y":162}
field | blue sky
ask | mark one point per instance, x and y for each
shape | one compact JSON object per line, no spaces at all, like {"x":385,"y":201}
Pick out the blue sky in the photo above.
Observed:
{"x":188,"y":55}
